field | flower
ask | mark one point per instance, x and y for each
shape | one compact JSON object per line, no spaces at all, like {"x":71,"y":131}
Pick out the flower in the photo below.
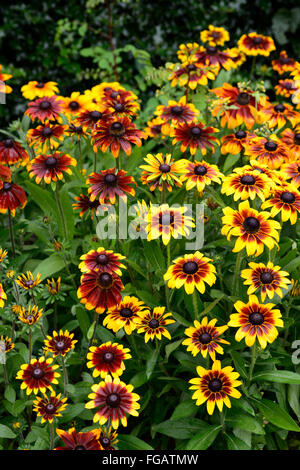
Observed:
{"x":3,"y":296}
{"x":204,"y":337}
{"x":84,"y":204}
{"x":269,"y":278}
{"x":153,"y":128}
{"x":60,"y":343}
{"x":100,"y":290}
{"x":3,"y":255}
{"x":108,"y":439}
{"x":74,"y":104}
{"x":35,"y":89}
{"x":27,"y":281}
{"x":107,"y":184}
{"x":237,"y":106}
{"x":283,"y":63}
{"x":121,"y":104}
{"x":38,"y":375}
{"x":51,"y":167}
{"x":89,"y":118}
{"x":12,"y":152}
{"x":245,"y":183}
{"x":3,"y":77}
{"x":102,"y":260}
{"x":12,"y":197}
{"x":153,"y":324}
{"x":269,"y":151}
{"x":107,"y":359}
{"x":285,"y":200}
{"x":116,"y":133}
{"x":237,"y":56}
{"x":215,"y":386}
{"x":53,"y":286}
{"x":45,"y":108}
{"x":200,"y":174}
{"x":292,"y":171}
{"x":255,"y":320}
{"x":277,"y":115}
{"x":252,"y":229}
{"x":235,"y":143}
{"x":291,"y":138}
{"x":168,"y":222}
{"x":286,"y":88}
{"x":113,"y":399}
{"x":161,"y":171}
{"x":6,"y":344}
{"x":124,"y":315}
{"x":47,"y":135}
{"x":214,"y":36}
{"x":256,"y":44}
{"x":211,"y":56}
{"x":5,"y":173}
{"x":74,"y":440}
{"x":194,"y":135}
{"x":31,"y":315}
{"x":49,"y":407}
{"x":190,"y":271}
{"x":192,"y":74}
{"x":175,"y":113}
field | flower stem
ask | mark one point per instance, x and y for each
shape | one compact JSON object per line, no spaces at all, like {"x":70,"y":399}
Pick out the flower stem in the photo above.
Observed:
{"x":11,"y":234}
{"x":30,"y":343}
{"x":6,"y":381}
{"x":65,"y":376}
{"x":195,"y":304}
{"x":58,"y":201}
{"x":252,"y":364}
{"x":237,"y":270}
{"x":51,"y":435}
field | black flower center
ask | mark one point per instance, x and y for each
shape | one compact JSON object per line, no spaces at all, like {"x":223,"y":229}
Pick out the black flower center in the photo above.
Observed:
{"x":287,"y":197}
{"x":108,"y":357}
{"x":104,"y":441}
{"x":7,"y":186}
{"x":51,"y":162}
{"x":114,"y":95}
{"x":50,"y":408}
{"x":243,"y":98}
{"x":60,"y":345}
{"x":102,"y":259}
{"x":154,"y":323}
{"x":177,"y":110}
{"x":126,"y":312}
{"x":215,"y":385}
{"x":247,"y":180}
{"x":46,"y":132}
{"x":116,"y":128}
{"x":200,"y":170}
{"x":166,"y":219}
{"x":110,"y":179}
{"x":8,"y":143}
{"x":240,"y":134}
{"x":95,"y":115}
{"x":191,"y":67}
{"x":30,"y":318}
{"x":190,"y":267}
{"x":271,"y":146}
{"x":105,"y":280}
{"x":73,"y":105}
{"x":256,"y":318}
{"x":164,"y":168}
{"x":119,"y":107}
{"x":44,"y":105}
{"x":279,"y":108}
{"x":251,"y":224}
{"x":79,"y":447}
{"x":40,"y":85}
{"x":113,"y":400}
{"x":257,"y":40}
{"x":196,"y":131}
{"x":156,"y":129}
{"x":266,"y":278}
{"x":205,"y":338}
{"x":29,"y":283}
{"x":38,"y":373}
{"x":297,"y":139}
{"x":211,"y":49}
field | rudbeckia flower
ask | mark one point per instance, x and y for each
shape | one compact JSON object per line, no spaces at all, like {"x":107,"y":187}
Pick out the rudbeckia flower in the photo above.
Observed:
{"x":278,"y":115}
{"x":214,"y":36}
{"x":74,"y":440}
{"x":107,"y":359}
{"x":116,"y":133}
{"x":5,"y":173}
{"x":190,"y":271}
{"x":108,"y":439}
{"x":255,"y":321}
{"x":38,"y":375}
{"x":286,"y":88}
{"x":35,"y":89}
{"x":200,"y":174}
{"x":27,"y":281}
{"x":285,"y":200}
{"x":11,"y":152}
{"x":204,"y":337}
{"x":256,"y":44}
{"x":89,"y":118}
{"x":114,"y":399}
{"x":153,"y":128}
{"x":245,"y":183}
{"x":50,"y":407}
{"x":3,"y":296}
{"x":107,"y":184}
{"x":121,"y":104}
{"x":291,"y":138}
{"x":59,"y":344}
{"x":167,"y":222}
{"x":100,"y":290}
{"x":237,"y":56}
{"x":46,"y":108}
{"x":192,"y":74}
{"x":124,"y":315}
{"x":53,"y":286}
{"x":284,"y":63}
{"x":47,"y":136}
{"x":252,"y":229}
{"x":215,"y":386}
{"x":51,"y":167}
{"x":29,"y":315}
{"x":84,"y":204}
{"x":292,"y":171}
{"x":153,"y":324}
{"x":3,"y":255}
{"x":176,"y":113}
{"x":270,"y":151}
{"x":12,"y":197}
{"x":102,"y":260}
{"x":3,"y":77}
{"x":74,"y":104}
{"x":6,"y":343}
{"x":235,"y":143}
{"x":211,"y":56}
{"x":194,"y":135}
{"x":268,"y":278}
{"x":161,"y":171}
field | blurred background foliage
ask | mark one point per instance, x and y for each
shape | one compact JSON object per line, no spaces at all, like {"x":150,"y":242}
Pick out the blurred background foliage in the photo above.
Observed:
{"x":81,"y":42}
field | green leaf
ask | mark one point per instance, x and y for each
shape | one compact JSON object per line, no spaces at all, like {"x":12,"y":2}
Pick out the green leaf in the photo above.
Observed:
{"x":10,"y":394}
{"x":49,"y":266}
{"x":82,"y":317}
{"x":184,"y":409}
{"x":44,"y":200}
{"x":279,"y":376}
{"x":68,"y":211}
{"x":127,"y":442}
{"x":154,"y":255}
{"x":276,"y":415}
{"x":180,"y":429}
{"x":239,"y":364}
{"x":151,"y":362}
{"x":294,"y":399}
{"x":172,"y":347}
{"x":230,"y":161}
{"x":72,"y":411}
{"x":204,"y":438}
{"x":236,"y":418}
{"x":234,"y":443}
{"x":6,"y":432}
